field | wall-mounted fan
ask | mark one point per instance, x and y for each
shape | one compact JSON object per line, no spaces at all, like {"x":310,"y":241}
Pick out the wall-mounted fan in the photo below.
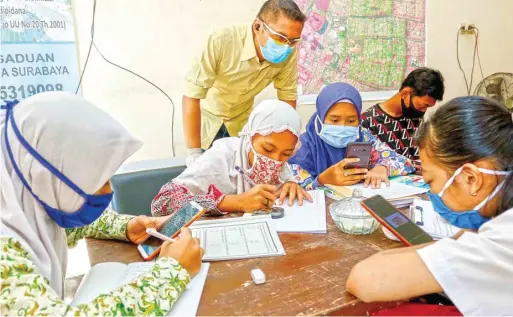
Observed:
{"x":498,"y":86}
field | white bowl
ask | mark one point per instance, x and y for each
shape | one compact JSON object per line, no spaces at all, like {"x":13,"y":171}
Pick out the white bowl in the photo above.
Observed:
{"x":389,"y":234}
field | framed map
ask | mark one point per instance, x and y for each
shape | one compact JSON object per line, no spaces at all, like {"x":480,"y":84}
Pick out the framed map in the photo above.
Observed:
{"x":371,"y":44}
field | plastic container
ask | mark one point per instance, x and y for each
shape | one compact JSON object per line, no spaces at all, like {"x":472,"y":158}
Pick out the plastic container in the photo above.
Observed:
{"x":350,"y":217}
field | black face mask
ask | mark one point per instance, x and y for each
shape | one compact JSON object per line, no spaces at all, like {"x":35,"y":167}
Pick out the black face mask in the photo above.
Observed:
{"x":411,"y":112}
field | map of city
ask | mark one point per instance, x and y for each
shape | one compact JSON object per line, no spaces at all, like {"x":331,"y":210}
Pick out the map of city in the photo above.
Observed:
{"x":371,"y":44}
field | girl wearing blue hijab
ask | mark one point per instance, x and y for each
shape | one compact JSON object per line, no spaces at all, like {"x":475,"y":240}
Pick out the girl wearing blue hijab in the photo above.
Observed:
{"x":336,"y":123}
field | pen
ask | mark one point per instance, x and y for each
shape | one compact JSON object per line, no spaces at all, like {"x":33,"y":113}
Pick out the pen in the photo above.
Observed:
{"x":156,"y":234}
{"x":246,"y":178}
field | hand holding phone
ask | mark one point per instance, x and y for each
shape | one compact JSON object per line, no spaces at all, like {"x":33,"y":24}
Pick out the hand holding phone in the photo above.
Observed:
{"x":339,"y":175}
{"x":150,"y":248}
{"x":186,"y":250}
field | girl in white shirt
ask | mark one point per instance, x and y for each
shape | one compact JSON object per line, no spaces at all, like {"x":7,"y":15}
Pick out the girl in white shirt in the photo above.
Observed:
{"x":466,"y":151}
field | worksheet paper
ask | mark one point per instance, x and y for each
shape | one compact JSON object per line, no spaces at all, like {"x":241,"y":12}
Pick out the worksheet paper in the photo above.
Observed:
{"x":309,"y":218}
{"x":424,"y":216}
{"x":238,"y":238}
{"x":104,"y":278}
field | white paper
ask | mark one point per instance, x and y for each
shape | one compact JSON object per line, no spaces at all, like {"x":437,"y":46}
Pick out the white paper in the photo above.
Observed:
{"x":423,"y":214}
{"x":104,"y":278}
{"x":101,"y":279}
{"x":394,"y":191}
{"x":238,"y":238}
{"x":311,"y":217}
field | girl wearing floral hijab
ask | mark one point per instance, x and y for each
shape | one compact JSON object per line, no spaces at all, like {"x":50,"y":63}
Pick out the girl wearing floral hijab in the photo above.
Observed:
{"x":336,"y":122}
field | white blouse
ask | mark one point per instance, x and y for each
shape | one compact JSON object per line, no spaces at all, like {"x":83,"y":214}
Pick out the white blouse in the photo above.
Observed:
{"x":476,"y":271}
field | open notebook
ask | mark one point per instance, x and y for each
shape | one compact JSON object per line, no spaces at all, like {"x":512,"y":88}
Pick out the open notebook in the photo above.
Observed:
{"x":106,"y":277}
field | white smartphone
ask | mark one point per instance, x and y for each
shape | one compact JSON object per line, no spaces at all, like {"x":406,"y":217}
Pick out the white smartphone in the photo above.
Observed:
{"x":150,"y":248}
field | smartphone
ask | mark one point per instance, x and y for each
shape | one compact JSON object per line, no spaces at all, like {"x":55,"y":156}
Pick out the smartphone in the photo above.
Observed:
{"x":402,"y":227}
{"x":150,"y":248}
{"x":361,"y":150}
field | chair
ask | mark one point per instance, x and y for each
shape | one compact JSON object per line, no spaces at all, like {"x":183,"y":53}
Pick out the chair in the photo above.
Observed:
{"x":136,"y":184}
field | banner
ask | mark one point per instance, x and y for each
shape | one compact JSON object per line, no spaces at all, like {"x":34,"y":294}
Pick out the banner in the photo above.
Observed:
{"x":38,"y":48}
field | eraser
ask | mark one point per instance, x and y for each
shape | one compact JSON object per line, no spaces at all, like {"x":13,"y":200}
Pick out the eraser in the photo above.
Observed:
{"x":258,"y":276}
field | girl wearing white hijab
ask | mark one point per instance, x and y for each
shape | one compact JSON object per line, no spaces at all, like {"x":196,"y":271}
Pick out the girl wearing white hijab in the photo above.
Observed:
{"x":58,"y":153}
{"x":215,"y":180}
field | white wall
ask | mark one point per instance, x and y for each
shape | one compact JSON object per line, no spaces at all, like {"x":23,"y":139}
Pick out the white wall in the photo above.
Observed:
{"x":157,"y":39}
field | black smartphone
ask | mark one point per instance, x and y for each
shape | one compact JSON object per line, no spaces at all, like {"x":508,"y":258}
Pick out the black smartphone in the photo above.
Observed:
{"x":361,"y":150}
{"x":395,"y":221}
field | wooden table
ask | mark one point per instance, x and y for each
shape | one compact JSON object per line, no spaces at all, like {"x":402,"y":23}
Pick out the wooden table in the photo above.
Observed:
{"x":309,"y":280}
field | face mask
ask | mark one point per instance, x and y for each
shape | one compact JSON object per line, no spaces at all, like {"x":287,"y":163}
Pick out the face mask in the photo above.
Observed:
{"x":411,"y":112}
{"x":338,"y":136}
{"x":264,"y":170}
{"x":274,"y":52}
{"x":93,"y":206}
{"x":470,"y":219}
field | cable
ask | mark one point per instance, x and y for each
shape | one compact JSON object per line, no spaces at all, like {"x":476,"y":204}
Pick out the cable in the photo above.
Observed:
{"x":476,"y":32}
{"x":458,"y":58}
{"x":469,"y":88}
{"x":473,"y":65}
{"x":89,"y":50}
{"x":133,"y":73}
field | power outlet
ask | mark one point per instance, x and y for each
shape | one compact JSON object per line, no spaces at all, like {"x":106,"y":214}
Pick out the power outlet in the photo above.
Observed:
{"x":466,"y":28}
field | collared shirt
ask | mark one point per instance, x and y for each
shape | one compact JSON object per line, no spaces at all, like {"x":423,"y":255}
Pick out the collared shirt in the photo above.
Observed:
{"x":228,"y":75}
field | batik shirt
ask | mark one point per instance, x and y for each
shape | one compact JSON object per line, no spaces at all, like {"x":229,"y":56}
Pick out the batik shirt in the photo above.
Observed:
{"x":398,"y":133}
{"x":26,"y":292}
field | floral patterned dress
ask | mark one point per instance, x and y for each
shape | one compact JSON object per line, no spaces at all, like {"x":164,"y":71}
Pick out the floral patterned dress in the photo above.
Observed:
{"x":26,"y":292}
{"x":381,"y":154}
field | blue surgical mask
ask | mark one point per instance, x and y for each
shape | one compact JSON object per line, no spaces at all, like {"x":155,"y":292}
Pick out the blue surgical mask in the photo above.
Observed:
{"x":274,"y":52}
{"x":93,"y":206}
{"x":338,"y":136}
{"x":470,"y":219}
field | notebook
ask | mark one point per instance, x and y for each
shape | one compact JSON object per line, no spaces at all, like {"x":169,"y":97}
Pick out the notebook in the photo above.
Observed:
{"x":106,"y":277}
{"x":308,"y":218}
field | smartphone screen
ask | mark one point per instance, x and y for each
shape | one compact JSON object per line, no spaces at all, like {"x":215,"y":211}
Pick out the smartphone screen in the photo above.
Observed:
{"x":172,"y":226}
{"x":384,"y":212}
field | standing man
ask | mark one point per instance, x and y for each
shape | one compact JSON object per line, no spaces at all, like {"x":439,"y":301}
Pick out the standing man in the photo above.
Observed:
{"x":236,"y":64}
{"x":396,"y":120}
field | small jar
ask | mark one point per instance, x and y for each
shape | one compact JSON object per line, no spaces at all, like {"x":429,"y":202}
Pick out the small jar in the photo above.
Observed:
{"x":350,"y":217}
